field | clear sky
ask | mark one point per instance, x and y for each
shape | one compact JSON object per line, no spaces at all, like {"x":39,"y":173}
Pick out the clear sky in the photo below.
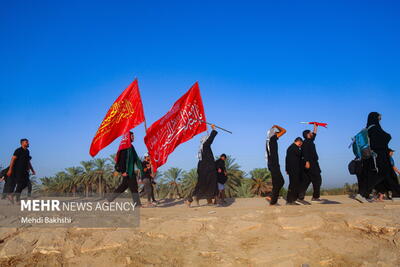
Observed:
{"x":63,"y":63}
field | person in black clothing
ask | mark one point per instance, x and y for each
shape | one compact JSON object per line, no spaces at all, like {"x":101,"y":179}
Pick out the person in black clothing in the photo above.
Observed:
{"x":312,"y":171}
{"x":379,"y":178}
{"x":206,"y":187}
{"x":222,"y":177}
{"x":153,"y":183}
{"x":362,"y":192}
{"x":294,"y":168}
{"x":4,"y":177}
{"x":147,"y":180}
{"x":126,"y":159}
{"x":273,"y":162}
{"x":9,"y":183}
{"x":18,"y":172}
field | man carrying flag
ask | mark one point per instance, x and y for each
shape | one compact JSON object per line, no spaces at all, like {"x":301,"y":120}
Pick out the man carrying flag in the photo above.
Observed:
{"x":125,"y":113}
{"x":206,"y":187}
{"x":312,"y":171}
{"x":126,"y":159}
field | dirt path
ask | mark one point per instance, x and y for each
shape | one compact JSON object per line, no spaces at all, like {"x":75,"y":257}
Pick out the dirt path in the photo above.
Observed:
{"x":246,"y":233}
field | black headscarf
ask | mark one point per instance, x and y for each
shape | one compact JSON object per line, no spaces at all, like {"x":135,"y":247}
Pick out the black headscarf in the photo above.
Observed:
{"x":373,"y":119}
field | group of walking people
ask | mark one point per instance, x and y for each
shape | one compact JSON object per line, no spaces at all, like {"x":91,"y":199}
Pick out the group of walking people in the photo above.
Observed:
{"x":302,"y":166}
{"x":212,"y":173}
{"x":376,"y":174}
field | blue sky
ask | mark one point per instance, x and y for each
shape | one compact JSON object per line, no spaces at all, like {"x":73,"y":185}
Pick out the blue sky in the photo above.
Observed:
{"x":258,"y":63}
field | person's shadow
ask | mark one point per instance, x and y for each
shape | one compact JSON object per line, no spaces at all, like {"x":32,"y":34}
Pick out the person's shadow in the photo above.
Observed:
{"x":327,"y":201}
{"x":166,"y":203}
{"x":228,"y":202}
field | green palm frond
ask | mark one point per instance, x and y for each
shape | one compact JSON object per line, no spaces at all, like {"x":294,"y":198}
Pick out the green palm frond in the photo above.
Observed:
{"x":260,"y":184}
{"x":173,"y":177}
{"x":189,"y":182}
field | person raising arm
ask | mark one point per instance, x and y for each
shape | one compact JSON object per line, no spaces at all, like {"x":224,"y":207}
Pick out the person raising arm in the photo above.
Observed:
{"x":281,"y":132}
{"x":315,"y":129}
{"x":272,"y":157}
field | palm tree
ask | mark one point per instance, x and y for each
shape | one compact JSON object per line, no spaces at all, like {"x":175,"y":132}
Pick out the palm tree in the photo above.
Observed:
{"x":73,"y":178}
{"x":235,"y":177}
{"x":46,"y":184}
{"x":60,"y":183}
{"x":113,"y":178}
{"x":260,"y":185}
{"x":189,"y":182}
{"x":111,"y":159}
{"x":245,"y":188}
{"x":172,"y":178}
{"x":100,"y":174}
{"x":87,"y":175}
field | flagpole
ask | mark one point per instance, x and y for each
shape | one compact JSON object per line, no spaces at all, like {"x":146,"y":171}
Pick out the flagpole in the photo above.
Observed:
{"x":216,"y":126}
{"x":145,"y":123}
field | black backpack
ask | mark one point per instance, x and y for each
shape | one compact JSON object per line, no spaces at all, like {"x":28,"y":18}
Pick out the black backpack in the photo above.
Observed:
{"x":355,"y":167}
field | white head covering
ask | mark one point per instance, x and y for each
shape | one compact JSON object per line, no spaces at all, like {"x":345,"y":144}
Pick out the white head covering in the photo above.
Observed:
{"x":271,"y":132}
{"x":202,"y":141}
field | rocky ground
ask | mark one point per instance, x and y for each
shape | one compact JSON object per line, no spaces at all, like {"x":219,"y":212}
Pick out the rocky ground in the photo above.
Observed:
{"x":340,"y":232}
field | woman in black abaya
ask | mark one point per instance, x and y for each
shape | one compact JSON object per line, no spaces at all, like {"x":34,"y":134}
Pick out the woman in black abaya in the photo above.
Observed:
{"x":379,"y":178}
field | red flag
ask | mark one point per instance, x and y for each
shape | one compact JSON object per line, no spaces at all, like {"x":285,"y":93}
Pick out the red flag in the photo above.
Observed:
{"x":179,"y":125}
{"x":125,"y":114}
{"x":319,"y":124}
